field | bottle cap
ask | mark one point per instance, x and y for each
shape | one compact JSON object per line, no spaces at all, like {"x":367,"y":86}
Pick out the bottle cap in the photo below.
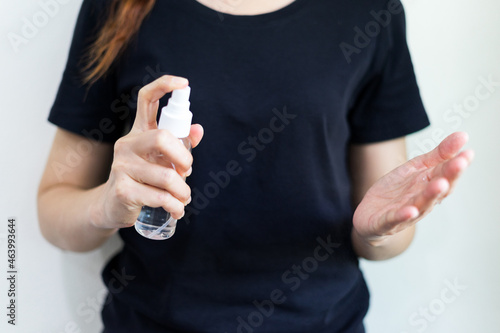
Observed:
{"x":176,"y":117}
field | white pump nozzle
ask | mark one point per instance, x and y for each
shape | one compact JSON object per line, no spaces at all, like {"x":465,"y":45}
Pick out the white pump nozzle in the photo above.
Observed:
{"x":176,"y":117}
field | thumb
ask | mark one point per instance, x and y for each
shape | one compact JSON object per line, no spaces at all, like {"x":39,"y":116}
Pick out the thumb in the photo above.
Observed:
{"x":149,"y":97}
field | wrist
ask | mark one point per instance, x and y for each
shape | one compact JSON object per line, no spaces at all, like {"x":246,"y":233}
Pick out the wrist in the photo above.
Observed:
{"x":98,"y":219}
{"x":371,"y":241}
{"x":382,"y":247}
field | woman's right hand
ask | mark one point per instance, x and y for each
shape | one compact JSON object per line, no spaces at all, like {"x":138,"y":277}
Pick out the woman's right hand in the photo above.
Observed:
{"x":142,"y":172}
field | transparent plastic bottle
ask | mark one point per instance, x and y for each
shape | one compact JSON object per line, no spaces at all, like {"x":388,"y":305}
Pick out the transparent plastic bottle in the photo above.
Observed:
{"x":156,"y":223}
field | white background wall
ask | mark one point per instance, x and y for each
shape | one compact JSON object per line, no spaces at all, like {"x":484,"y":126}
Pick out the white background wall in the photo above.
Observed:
{"x":454,"y":43}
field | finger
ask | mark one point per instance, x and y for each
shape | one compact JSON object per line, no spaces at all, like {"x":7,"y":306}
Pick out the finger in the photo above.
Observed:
{"x":148,"y":100}
{"x":468,"y":155}
{"x":453,"y":169}
{"x":447,"y":149}
{"x":161,"y":177}
{"x":406,"y":213}
{"x":164,"y":148}
{"x":196,"y":134}
{"x":154,"y":197}
{"x":134,"y":194}
{"x":435,"y":189}
{"x":397,"y":216}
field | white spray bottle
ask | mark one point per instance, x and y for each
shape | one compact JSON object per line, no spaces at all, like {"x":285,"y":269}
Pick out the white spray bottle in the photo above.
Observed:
{"x":156,"y":223}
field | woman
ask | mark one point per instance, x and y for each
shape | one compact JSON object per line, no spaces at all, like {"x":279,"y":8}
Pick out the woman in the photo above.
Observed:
{"x":304,"y":105}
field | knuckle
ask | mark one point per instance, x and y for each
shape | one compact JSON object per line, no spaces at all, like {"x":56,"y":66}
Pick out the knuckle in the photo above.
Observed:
{"x":142,"y":93}
{"x":121,"y":146}
{"x":122,"y":191}
{"x":117,"y":167}
{"x":162,"y":139}
{"x":166,"y":80}
{"x":166,"y":199}
{"x":167,"y":177}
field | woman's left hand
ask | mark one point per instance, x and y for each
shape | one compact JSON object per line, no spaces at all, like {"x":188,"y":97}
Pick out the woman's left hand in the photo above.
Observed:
{"x":405,"y":195}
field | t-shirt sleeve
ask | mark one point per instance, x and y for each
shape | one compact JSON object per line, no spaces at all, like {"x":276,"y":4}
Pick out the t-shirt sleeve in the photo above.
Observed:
{"x":389,"y":103}
{"x":78,"y":108}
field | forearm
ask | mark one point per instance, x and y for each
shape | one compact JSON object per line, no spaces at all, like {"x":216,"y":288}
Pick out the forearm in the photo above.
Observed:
{"x":66,"y":216}
{"x":382,"y":249}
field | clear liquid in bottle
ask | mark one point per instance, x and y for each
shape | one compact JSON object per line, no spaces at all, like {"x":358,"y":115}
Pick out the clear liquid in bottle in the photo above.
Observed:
{"x":151,"y":219}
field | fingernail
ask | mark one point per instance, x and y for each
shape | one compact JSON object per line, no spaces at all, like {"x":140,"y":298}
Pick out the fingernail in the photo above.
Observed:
{"x":179,"y":80}
{"x":188,"y":201}
{"x":188,"y":173}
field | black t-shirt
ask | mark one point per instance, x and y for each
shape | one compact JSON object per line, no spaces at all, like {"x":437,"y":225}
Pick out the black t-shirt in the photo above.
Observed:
{"x":265,"y":244}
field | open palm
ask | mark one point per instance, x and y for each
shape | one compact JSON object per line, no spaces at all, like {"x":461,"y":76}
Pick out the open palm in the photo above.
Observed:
{"x":405,"y":195}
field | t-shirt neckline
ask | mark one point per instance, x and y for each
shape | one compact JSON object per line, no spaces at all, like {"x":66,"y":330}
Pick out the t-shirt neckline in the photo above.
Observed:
{"x":243,"y":20}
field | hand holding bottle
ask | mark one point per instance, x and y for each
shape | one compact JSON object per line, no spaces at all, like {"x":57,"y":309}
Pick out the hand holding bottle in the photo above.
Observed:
{"x":155,"y":222}
{"x":149,"y":164}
